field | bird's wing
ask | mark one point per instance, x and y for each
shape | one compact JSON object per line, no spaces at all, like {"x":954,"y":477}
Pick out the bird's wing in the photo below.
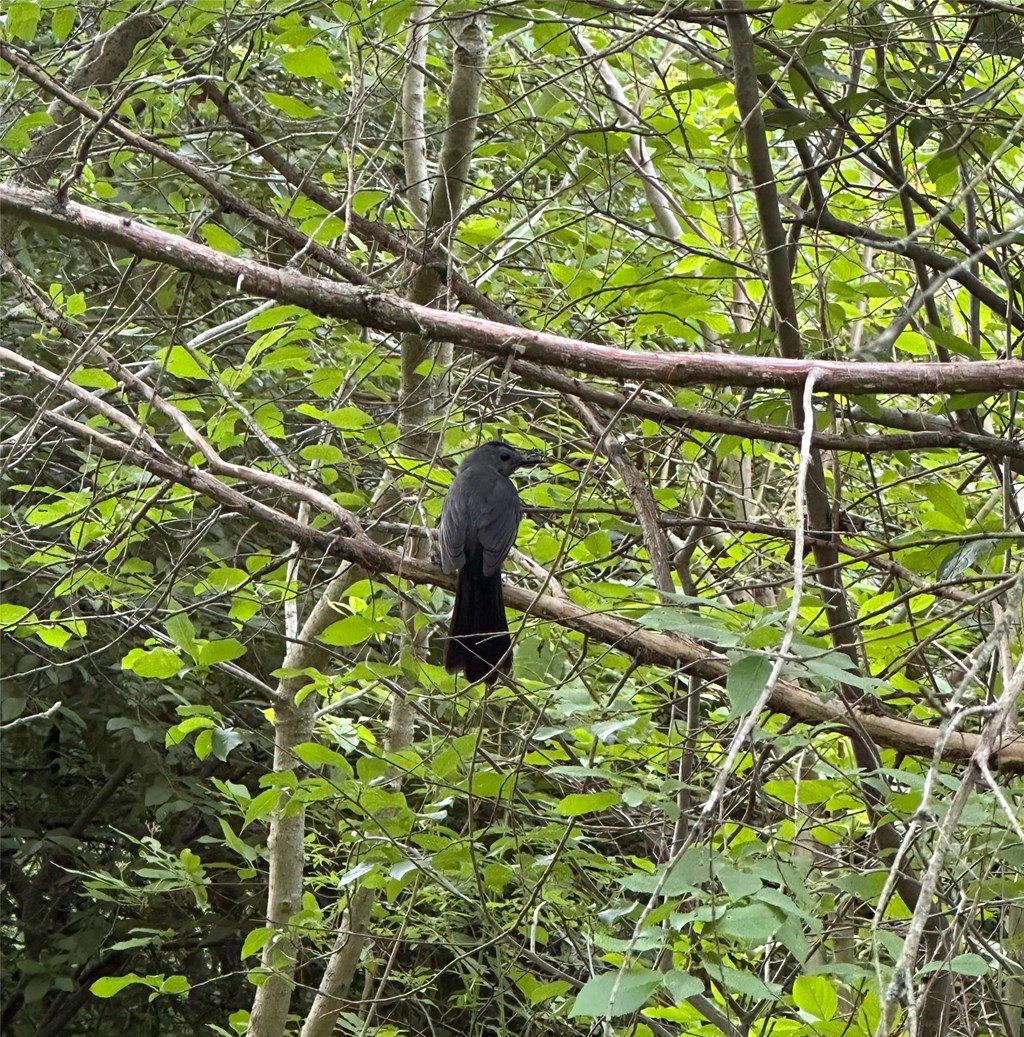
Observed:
{"x":497,"y":523}
{"x":452,"y":532}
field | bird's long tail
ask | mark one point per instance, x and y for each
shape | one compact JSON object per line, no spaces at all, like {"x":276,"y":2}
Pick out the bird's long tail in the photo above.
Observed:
{"x":478,"y":640}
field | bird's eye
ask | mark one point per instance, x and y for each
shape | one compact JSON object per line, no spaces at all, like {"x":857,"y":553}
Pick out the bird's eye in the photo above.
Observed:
{"x":505,"y":455}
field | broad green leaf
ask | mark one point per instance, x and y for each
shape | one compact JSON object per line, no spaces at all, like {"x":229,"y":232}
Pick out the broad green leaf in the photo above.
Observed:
{"x":347,"y":419}
{"x":218,"y":238}
{"x":681,"y":985}
{"x":816,"y":996}
{"x":492,"y":784}
{"x":93,"y":378}
{"x":745,"y":983}
{"x":548,"y":991}
{"x":948,"y":505}
{"x":224,"y":577}
{"x":316,"y":755}
{"x":179,"y":732}
{"x":62,"y":21}
{"x":291,"y":106}
{"x":630,"y":990}
{"x":183,"y":364}
{"x":789,"y":14}
{"x":262,"y":806}
{"x":311,"y":63}
{"x":748,"y":675}
{"x":155,"y":662}
{"x":54,"y":636}
{"x":351,"y":630}
{"x":256,"y":940}
{"x":964,"y":964}
{"x":752,"y":924}
{"x":919,"y":130}
{"x":182,"y":632}
{"x":18,"y":136}
{"x":12,"y":615}
{"x":209,"y":653}
{"x":810,"y":791}
{"x":274,"y":317}
{"x":22,"y":20}
{"x":580,"y":803}
{"x":224,"y":739}
{"x":175,"y":985}
{"x":108,"y":986}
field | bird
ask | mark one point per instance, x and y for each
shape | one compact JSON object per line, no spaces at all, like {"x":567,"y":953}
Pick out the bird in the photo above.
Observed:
{"x":479,"y":521}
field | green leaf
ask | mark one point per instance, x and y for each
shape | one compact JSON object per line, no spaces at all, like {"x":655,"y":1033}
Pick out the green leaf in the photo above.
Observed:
{"x":179,"y":732}
{"x":686,"y":876}
{"x":316,"y":755}
{"x":322,"y":453}
{"x":22,"y":20}
{"x":737,"y":884}
{"x":256,"y":941}
{"x":632,"y":990}
{"x":752,"y":924}
{"x":274,"y":317}
{"x":108,"y":986}
{"x":12,"y":615}
{"x":182,"y":364}
{"x":919,"y":130}
{"x":548,"y":991}
{"x":54,"y":636}
{"x":291,"y":106}
{"x":913,"y":343}
{"x":789,"y":14}
{"x":262,"y":806}
{"x":93,"y":378}
{"x":311,"y":63}
{"x":63,"y":21}
{"x":816,"y":996}
{"x":954,"y":343}
{"x":18,"y":137}
{"x":182,"y":632}
{"x":218,"y":238}
{"x":492,"y":784}
{"x":963,"y":964}
{"x":175,"y":985}
{"x":155,"y":662}
{"x":348,"y":419}
{"x":223,"y":578}
{"x":745,"y":983}
{"x":810,"y":791}
{"x":351,"y":630}
{"x":682,"y":986}
{"x":209,"y":653}
{"x":224,"y":739}
{"x":244,"y":850}
{"x":948,"y":504}
{"x":586,"y":803}
{"x":748,"y":675}
{"x":51,"y":512}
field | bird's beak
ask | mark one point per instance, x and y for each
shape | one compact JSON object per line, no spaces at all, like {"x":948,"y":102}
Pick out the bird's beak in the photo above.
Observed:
{"x":531,"y":458}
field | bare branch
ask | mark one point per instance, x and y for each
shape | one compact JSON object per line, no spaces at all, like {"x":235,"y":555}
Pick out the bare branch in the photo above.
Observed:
{"x":386,"y":312}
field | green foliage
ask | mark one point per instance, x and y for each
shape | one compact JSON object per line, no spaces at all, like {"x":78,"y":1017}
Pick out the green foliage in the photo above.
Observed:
{"x":527,"y":852}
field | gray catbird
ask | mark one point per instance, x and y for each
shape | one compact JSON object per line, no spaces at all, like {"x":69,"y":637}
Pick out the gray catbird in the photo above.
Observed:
{"x":478,"y":527}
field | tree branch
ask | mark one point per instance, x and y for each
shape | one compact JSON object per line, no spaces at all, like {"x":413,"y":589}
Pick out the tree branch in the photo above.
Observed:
{"x":386,"y":312}
{"x":650,"y":647}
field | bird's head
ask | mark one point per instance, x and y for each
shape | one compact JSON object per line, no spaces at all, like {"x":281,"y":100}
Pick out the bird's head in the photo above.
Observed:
{"x":504,"y":457}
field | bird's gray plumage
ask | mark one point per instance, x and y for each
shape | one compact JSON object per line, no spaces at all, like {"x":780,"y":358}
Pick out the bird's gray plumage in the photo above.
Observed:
{"x":478,"y":527}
